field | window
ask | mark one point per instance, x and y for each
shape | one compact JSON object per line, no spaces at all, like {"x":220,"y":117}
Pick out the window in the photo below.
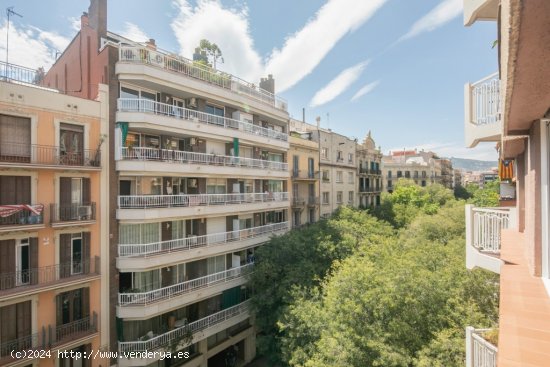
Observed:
{"x":407,"y":174}
{"x":311,"y":168}
{"x":339,"y":197}
{"x":389,"y":174}
{"x":326,"y":176}
{"x":350,"y":157}
{"x":326,"y":198}
{"x":390,"y":184}
{"x":74,"y":194}
{"x":350,"y":197}
{"x":214,"y":110}
{"x":215,"y":186}
{"x":339,"y":156}
{"x":15,"y":138}
{"x":423,"y":174}
{"x":415,"y":174}
{"x":73,"y":306}
{"x":295,"y":165}
{"x":339,"y":177}
{"x":22,"y":262}
{"x":297,"y":218}
{"x":399,"y":174}
{"x":311,"y":215}
{"x":324,"y":153}
{"x":74,"y":253}
{"x":71,"y":144}
{"x":350,"y":177}
{"x":423,"y":183}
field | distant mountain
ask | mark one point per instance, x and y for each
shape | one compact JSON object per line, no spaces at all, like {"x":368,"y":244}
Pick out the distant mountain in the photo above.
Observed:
{"x":473,"y":164}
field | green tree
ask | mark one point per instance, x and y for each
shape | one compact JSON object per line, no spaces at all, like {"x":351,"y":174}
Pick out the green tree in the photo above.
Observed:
{"x":208,"y":53}
{"x":487,"y":196}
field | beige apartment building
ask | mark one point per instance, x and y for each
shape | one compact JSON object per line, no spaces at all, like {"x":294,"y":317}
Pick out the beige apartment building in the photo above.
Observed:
{"x":511,"y":108}
{"x":423,"y":168}
{"x":53,"y":221}
{"x":369,"y":173}
{"x":304,"y":178}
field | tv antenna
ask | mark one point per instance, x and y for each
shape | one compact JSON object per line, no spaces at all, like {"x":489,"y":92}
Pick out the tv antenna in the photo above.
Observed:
{"x":9,"y":12}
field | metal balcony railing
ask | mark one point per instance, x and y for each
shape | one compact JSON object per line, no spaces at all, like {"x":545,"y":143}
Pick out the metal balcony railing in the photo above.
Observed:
{"x":313,"y":200}
{"x":72,"y":213}
{"x":49,"y":275}
{"x":171,"y":201}
{"x":148,"y":106}
{"x":47,"y":155}
{"x":19,"y":74}
{"x":165,"y":339}
{"x":485,"y":100}
{"x":34,"y":341}
{"x":305,"y":175}
{"x":180,"y":65}
{"x":189,"y":243}
{"x":73,"y":330}
{"x":23,"y":217}
{"x":178,"y":156}
{"x":487,"y":226}
{"x":298,"y":201}
{"x":165,"y":293}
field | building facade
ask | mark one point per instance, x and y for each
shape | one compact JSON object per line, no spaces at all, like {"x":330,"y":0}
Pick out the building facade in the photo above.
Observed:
{"x":510,"y":108}
{"x":53,"y":221}
{"x":423,"y":168}
{"x":303,"y":156}
{"x":197,"y":182}
{"x":369,"y":173}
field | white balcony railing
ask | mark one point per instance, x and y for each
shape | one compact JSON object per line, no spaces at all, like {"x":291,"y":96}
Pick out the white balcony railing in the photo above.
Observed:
{"x":164,"y":340}
{"x":177,"y":201}
{"x":479,"y":352}
{"x":487,"y":226}
{"x":485,"y":100}
{"x":178,"y":156}
{"x":148,"y":106}
{"x":189,"y":243}
{"x":157,"y":295}
{"x":180,"y":65}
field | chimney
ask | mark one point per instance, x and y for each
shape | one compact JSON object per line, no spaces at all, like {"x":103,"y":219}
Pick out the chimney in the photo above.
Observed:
{"x":84,"y":20}
{"x":268,"y":84}
{"x":97,"y":13}
{"x":151,"y":44}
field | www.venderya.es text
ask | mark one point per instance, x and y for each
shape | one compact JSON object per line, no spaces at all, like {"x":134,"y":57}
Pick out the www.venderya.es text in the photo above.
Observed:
{"x":96,"y":354}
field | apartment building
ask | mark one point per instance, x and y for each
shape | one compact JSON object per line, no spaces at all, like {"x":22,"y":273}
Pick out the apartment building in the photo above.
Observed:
{"x":304,"y":175}
{"x":369,"y":172}
{"x":424,"y":168}
{"x":199,"y":179}
{"x":510,"y":108}
{"x":53,"y":221}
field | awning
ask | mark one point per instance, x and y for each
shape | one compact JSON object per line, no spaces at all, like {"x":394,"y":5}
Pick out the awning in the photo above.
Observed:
{"x":7,"y":210}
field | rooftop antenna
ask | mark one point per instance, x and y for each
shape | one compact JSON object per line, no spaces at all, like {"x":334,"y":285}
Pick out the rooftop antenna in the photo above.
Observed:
{"x":9,"y":12}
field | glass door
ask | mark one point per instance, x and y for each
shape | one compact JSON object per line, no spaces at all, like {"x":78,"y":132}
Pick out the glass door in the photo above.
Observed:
{"x":23,"y":262}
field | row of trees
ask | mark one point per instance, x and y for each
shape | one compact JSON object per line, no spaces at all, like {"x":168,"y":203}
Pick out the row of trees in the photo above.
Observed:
{"x":373,"y":289}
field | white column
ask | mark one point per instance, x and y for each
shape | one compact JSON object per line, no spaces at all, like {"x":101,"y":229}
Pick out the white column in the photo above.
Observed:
{"x":469,"y":351}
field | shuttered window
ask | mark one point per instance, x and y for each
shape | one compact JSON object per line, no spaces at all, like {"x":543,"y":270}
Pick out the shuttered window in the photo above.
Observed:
{"x":15,"y":136}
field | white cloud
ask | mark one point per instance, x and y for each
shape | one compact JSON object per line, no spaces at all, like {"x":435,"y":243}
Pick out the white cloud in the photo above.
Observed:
{"x":305,"y":49}
{"x":75,"y":23}
{"x":338,"y":85}
{"x":301,"y":53}
{"x":438,"y":16}
{"x":134,"y":33}
{"x":30,"y":46}
{"x":366,"y":89}
{"x":484,"y":152}
{"x":228,"y":28}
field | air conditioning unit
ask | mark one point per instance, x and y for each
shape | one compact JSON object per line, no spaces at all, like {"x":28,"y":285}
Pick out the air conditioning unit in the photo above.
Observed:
{"x":192,"y":103}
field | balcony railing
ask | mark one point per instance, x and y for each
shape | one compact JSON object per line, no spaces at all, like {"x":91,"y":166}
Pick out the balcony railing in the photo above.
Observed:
{"x":166,"y":339}
{"x":24,"y":217}
{"x":313,"y":200}
{"x":180,"y":65}
{"x":189,"y":243}
{"x":19,"y":74}
{"x":157,"y":295}
{"x":47,"y":155}
{"x":74,"y":330}
{"x":148,"y":106}
{"x":30,"y":342}
{"x":176,"y":201}
{"x":306,"y":175}
{"x":485,"y":101}
{"x":480,"y":352}
{"x":72,"y":212}
{"x":178,"y":156}
{"x":298,"y":201}
{"x":487,"y":226}
{"x":48,"y":275}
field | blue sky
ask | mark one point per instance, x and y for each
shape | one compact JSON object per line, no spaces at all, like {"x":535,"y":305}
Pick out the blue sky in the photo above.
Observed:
{"x":395,"y":67}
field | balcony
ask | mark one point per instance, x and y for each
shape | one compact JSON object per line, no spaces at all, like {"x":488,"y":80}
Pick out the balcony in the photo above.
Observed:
{"x":16,"y":74}
{"x":479,"y":351}
{"x":21,"y":217}
{"x":199,"y":330}
{"x":174,"y":113}
{"x":156,"y":206}
{"x":69,"y":332}
{"x":69,"y":215}
{"x":148,"y":304}
{"x":298,"y":175}
{"x":298,"y":202}
{"x":185,"y":67}
{"x":136,"y":256}
{"x":313,"y":200}
{"x":164,"y":160}
{"x":483,"y":235}
{"x":37,"y":341}
{"x":17,"y":283}
{"x":475,"y":10}
{"x":47,"y":156}
{"x":482,"y":111}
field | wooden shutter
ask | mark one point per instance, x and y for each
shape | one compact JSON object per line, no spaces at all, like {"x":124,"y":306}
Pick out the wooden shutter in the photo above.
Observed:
{"x":65,"y":193}
{"x":86,"y":191}
{"x":7,"y":263}
{"x":87,"y":362}
{"x":23,"y":189}
{"x":85,"y":302}
{"x":24,"y":319}
{"x":59,"y":309}
{"x":86,"y":258}
{"x":8,"y":319}
{"x":33,"y":247}
{"x":7,"y":190}
{"x":65,"y":255}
